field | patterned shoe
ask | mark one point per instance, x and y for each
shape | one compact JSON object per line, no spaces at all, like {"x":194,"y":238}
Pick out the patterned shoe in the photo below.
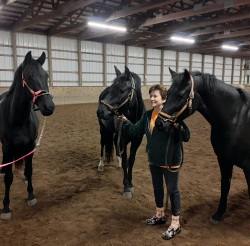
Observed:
{"x":171,"y":232}
{"x":156,"y":221}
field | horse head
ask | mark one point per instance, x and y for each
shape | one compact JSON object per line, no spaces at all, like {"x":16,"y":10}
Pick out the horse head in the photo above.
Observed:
{"x":182,"y":100}
{"x":119,"y":97}
{"x":35,"y":79}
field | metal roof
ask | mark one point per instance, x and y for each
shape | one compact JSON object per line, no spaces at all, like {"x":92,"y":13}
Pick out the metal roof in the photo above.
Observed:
{"x":149,"y":23}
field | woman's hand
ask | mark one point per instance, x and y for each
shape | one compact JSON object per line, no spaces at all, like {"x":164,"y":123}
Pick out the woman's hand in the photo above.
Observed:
{"x":121,"y":118}
{"x":178,"y":126}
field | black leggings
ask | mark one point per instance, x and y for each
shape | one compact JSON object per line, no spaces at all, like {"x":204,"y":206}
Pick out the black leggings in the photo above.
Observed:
{"x":171,"y":180}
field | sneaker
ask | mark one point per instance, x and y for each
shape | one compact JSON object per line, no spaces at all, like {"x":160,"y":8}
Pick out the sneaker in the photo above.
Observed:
{"x":156,"y":221}
{"x":171,"y":232}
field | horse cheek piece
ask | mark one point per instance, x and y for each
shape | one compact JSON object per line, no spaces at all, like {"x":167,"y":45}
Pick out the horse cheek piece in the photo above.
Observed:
{"x":226,"y":108}
{"x":19,"y":123}
{"x":122,"y":97}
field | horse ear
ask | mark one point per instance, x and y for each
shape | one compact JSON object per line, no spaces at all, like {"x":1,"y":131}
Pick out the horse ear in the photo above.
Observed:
{"x":27,"y":59}
{"x":117,"y":71}
{"x":186,"y":74}
{"x":173,"y":73}
{"x":127,"y":72}
{"x":42,"y":58}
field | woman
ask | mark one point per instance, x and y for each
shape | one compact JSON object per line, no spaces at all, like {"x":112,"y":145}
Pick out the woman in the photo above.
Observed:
{"x":165,"y":156}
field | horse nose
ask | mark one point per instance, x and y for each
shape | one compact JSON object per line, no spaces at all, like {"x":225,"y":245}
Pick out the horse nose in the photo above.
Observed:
{"x":49,"y":109}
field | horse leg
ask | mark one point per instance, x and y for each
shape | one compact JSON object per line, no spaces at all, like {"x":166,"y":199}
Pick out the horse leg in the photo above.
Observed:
{"x":2,"y":171}
{"x":246,"y":170}
{"x":226,"y":175}
{"x":101,"y":163}
{"x":135,"y":143}
{"x":119,"y":161}
{"x":28,"y":175}
{"x":8,"y":179}
{"x":126,"y":192}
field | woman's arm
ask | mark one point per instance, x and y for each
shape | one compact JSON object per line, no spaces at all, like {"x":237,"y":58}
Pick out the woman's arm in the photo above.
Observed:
{"x":133,"y":129}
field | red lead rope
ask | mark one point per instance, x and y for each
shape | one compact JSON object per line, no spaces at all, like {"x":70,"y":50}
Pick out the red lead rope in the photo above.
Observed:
{"x":12,"y":162}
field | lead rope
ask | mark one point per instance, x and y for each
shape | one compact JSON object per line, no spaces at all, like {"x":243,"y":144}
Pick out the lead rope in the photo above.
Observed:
{"x":41,"y":134}
{"x":31,"y":152}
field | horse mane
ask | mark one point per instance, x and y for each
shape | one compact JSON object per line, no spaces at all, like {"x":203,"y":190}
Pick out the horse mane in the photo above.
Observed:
{"x":141,"y":105}
{"x":242,"y":93}
{"x":17,"y":76}
{"x":211,"y":80}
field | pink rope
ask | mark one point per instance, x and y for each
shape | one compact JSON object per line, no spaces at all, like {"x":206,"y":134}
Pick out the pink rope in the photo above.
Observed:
{"x":12,"y":162}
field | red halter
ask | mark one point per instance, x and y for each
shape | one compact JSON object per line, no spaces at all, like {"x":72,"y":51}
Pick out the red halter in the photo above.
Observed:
{"x":35,"y":94}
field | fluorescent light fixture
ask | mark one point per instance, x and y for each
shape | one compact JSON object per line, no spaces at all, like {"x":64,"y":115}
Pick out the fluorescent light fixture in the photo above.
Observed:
{"x":182,"y":39}
{"x":105,"y":26}
{"x":229,"y":47}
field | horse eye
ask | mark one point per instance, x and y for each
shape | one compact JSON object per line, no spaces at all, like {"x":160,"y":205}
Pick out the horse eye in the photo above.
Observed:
{"x":122,"y":90}
{"x":180,"y":95}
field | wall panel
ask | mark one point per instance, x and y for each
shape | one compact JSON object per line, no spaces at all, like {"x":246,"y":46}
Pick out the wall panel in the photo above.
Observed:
{"x":87,"y":63}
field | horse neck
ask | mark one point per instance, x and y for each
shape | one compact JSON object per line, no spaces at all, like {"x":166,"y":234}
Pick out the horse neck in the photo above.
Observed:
{"x":141,"y":108}
{"x":218,"y":101}
{"x":20,"y":103}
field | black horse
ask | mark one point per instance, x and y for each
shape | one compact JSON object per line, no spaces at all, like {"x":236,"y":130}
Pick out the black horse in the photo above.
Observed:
{"x":227,"y":109}
{"x":19,"y":122}
{"x":122,"y":97}
{"x":107,"y":130}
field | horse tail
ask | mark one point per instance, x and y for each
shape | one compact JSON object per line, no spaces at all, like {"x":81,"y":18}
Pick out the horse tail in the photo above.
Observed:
{"x":109,"y":146}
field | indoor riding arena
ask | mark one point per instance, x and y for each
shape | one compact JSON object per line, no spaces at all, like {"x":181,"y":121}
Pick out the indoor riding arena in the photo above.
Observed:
{"x":84,"y":42}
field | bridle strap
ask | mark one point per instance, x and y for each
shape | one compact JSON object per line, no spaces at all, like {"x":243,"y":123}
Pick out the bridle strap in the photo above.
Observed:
{"x":129,"y":98}
{"x":35,"y":94}
{"x":188,"y":104}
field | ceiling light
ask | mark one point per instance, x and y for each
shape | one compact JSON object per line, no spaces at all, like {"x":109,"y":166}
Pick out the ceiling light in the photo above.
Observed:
{"x":105,"y":26}
{"x":182,"y":39}
{"x":229,"y":47}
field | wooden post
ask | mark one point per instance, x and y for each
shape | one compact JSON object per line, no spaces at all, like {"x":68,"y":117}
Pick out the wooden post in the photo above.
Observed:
{"x":50,"y":61}
{"x":79,"y":53}
{"x":104,"y":64}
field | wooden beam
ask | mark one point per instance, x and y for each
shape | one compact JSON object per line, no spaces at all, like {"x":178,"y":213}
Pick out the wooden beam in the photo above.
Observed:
{"x":230,"y":35}
{"x":195,"y":11}
{"x":62,"y":10}
{"x":67,"y":29}
{"x":25,"y":13}
{"x":90,"y":34}
{"x":127,"y":37}
{"x":222,"y":28}
{"x":55,"y":28}
{"x":137,"y":9}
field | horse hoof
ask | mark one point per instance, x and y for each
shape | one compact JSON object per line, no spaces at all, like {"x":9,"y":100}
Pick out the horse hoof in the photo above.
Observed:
{"x":127,"y":194}
{"x":214,"y":222}
{"x":5,"y":216}
{"x":132,"y":190}
{"x":32,"y":202}
{"x":100,"y":168}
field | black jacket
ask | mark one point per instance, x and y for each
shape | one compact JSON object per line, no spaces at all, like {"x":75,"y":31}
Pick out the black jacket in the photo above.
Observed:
{"x":164,"y":149}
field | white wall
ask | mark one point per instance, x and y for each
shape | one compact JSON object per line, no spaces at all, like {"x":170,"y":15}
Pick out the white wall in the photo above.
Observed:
{"x":73,"y":63}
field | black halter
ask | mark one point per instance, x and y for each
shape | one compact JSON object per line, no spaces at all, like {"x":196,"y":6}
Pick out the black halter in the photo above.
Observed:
{"x":114,"y":109}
